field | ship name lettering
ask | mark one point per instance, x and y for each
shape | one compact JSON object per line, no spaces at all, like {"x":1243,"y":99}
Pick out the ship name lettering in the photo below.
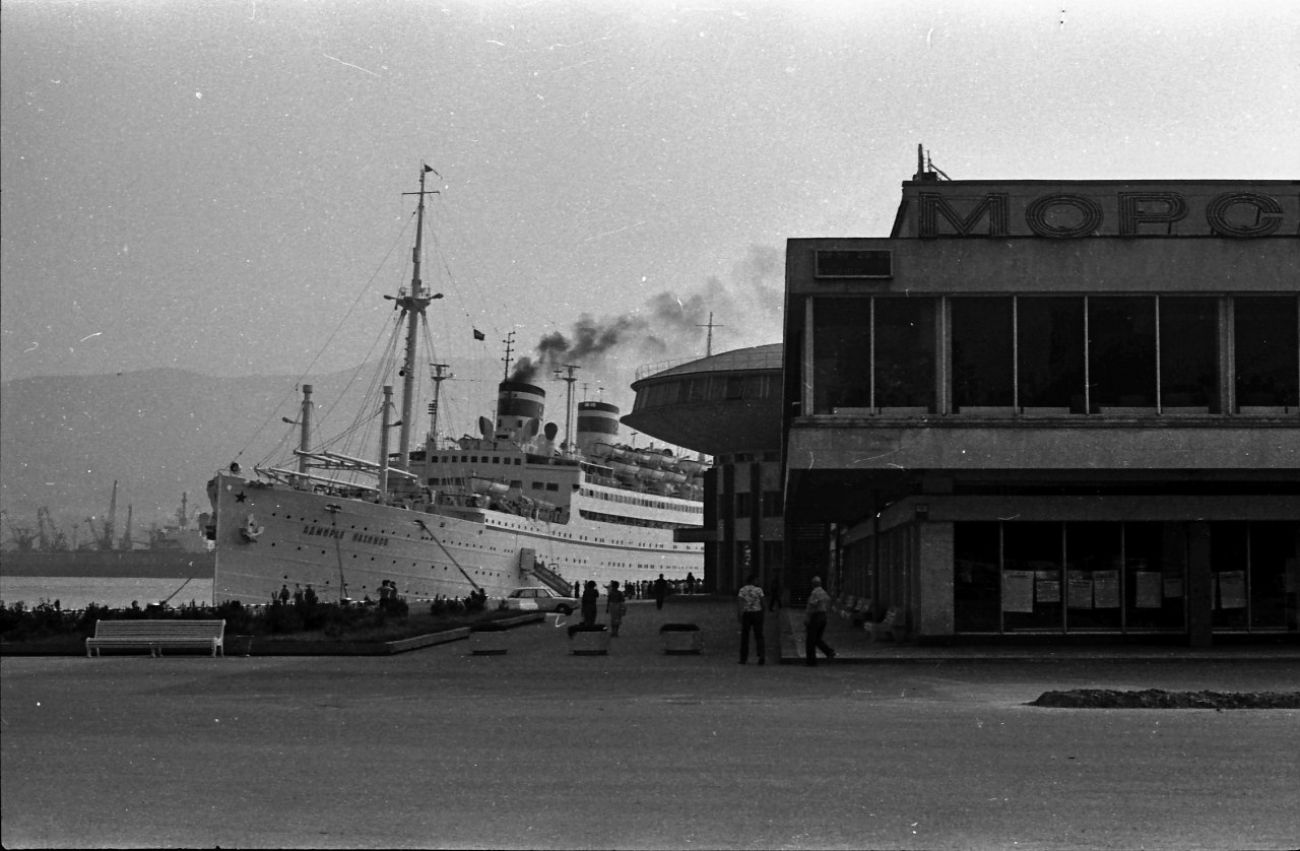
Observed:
{"x":322,"y":530}
{"x":363,"y":538}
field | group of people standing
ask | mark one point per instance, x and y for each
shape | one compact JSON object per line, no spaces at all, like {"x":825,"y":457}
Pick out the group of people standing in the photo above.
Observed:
{"x":750,"y":608}
{"x":615,"y":602}
{"x":658,"y":589}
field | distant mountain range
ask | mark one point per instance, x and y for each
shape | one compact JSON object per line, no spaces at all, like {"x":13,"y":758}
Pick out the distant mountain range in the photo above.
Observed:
{"x":159,"y":433}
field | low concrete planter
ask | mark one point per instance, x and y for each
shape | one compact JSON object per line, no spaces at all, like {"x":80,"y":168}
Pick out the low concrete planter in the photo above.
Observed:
{"x":681,"y":639}
{"x":488,"y":640}
{"x":590,"y":642}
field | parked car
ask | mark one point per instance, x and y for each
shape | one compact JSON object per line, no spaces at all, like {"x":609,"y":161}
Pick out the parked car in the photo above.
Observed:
{"x":540,"y":599}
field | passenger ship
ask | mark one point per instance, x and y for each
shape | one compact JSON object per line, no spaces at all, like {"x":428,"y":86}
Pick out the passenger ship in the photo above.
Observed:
{"x":506,"y":508}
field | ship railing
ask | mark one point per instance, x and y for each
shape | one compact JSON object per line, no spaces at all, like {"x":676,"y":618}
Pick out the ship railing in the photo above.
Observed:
{"x":338,"y":461}
{"x":288,"y":476}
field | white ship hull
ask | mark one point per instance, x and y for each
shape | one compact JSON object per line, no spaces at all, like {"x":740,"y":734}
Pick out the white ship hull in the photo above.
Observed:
{"x":269,"y":536}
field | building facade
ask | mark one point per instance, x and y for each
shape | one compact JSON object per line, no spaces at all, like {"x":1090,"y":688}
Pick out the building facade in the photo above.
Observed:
{"x":728,"y":407}
{"x":1052,"y":409}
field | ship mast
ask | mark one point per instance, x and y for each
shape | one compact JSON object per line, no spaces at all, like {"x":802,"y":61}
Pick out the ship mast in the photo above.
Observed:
{"x":413,"y":305}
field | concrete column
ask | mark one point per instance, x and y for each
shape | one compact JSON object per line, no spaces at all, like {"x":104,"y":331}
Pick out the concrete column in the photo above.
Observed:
{"x":727,"y":546}
{"x":935,"y":617}
{"x":1200,"y":586}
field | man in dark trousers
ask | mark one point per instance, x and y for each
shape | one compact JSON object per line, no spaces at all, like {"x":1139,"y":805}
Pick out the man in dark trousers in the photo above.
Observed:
{"x":590,"y":598}
{"x":819,"y":605}
{"x":661,"y":591}
{"x":749,"y":605}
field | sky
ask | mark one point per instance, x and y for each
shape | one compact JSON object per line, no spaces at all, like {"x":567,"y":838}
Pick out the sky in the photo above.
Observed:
{"x":218,"y":186}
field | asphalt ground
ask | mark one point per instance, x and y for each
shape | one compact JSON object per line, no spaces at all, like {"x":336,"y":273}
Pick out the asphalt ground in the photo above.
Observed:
{"x":539,"y":748}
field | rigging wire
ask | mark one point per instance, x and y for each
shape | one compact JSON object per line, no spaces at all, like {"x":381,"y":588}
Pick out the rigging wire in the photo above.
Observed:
{"x":362,"y":291}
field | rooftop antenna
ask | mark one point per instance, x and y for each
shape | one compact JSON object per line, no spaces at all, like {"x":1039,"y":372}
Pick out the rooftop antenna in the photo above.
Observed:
{"x":929,"y":166}
{"x":708,"y":346}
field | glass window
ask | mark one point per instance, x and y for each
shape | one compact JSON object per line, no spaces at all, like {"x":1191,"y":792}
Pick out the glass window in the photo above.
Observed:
{"x":1155,"y":565}
{"x":1032,"y":585}
{"x":1273,"y":551}
{"x":1228,"y":561}
{"x":1050,"y":344}
{"x":1268,"y":360}
{"x":904,"y":352}
{"x":841,"y":353}
{"x":773,"y":502}
{"x":1093,"y":590}
{"x":983,"y":371}
{"x":1189,"y":353}
{"x":1122,"y":351}
{"x":975,"y":582}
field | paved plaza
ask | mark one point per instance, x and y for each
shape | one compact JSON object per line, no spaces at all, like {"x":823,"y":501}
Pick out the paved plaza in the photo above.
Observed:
{"x":539,"y":748}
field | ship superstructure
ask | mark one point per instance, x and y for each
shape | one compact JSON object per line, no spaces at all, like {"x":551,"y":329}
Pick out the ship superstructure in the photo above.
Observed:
{"x":507,"y":507}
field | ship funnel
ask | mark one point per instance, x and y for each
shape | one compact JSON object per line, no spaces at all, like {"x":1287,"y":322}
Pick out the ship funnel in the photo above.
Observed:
{"x":597,"y":423}
{"x":518,"y":404}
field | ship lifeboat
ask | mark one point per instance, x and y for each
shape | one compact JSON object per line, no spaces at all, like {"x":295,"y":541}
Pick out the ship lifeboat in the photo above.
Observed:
{"x":649,"y":474}
{"x":491,"y":487}
{"x":623,"y":470}
{"x":601,"y":450}
{"x":690,"y":466}
{"x":674,"y":477}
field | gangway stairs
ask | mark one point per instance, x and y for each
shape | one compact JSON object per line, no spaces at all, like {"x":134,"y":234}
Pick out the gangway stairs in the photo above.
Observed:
{"x":529,"y":563}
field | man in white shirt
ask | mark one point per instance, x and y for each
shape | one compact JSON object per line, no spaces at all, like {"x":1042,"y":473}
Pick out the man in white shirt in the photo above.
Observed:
{"x":819,"y":604}
{"x":749,"y":605}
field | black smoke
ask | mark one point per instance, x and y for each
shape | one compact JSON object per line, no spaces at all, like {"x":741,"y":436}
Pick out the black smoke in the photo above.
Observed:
{"x":745,"y":312}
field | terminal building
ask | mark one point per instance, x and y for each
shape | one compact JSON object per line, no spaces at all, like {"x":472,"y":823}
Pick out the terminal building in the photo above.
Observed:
{"x":1049,"y":409}
{"x":729,"y":406}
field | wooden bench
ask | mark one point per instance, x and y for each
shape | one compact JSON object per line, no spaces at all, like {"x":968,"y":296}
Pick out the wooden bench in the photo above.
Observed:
{"x":860,"y":617}
{"x":157,"y":634}
{"x":844,"y":605}
{"x":892,"y":625}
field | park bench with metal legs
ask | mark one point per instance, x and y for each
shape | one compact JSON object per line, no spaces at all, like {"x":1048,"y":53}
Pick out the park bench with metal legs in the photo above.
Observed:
{"x":154,"y":635}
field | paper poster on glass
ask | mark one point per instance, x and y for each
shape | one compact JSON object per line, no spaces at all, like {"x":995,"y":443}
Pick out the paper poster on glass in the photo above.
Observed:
{"x":1047,"y":590}
{"x":1147,"y":587}
{"x":1018,"y":591}
{"x":1174,"y":587}
{"x":1105,"y":589}
{"x":1232,"y":589}
{"x":1078,"y":589}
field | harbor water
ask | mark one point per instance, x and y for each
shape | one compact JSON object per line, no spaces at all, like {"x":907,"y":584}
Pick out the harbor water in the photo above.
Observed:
{"x":77,"y":592}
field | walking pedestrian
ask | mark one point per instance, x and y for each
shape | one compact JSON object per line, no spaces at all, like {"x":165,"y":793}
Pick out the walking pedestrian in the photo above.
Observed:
{"x":590,"y":596}
{"x":661,"y":591}
{"x":749,"y":606}
{"x":819,"y":604}
{"x":616,"y":607}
